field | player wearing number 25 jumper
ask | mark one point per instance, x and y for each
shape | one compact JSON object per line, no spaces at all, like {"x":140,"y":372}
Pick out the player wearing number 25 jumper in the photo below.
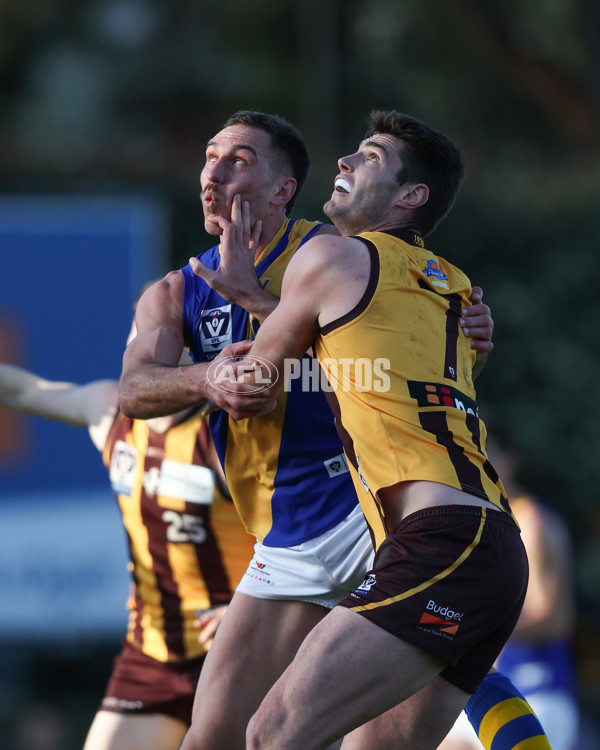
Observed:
{"x":187,"y":546}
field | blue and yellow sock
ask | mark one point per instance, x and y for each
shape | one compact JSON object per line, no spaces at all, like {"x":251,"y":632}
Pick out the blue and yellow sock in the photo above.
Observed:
{"x":502,"y":718}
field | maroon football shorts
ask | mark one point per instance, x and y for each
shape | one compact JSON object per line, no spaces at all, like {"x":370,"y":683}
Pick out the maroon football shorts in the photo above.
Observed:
{"x":452,"y":580}
{"x":140,"y":684}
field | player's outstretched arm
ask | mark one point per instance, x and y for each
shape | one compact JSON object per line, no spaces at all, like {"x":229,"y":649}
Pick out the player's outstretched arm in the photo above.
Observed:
{"x":92,"y":405}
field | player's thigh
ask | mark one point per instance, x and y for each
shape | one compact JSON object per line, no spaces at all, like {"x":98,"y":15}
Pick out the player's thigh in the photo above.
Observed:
{"x":254,"y":644}
{"x":346,"y":672}
{"x":420,"y":721}
{"x":116,"y":731}
{"x":259,"y":637}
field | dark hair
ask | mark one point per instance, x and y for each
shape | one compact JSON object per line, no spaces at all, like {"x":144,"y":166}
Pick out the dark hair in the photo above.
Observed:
{"x":285,"y":140}
{"x":427,"y":156}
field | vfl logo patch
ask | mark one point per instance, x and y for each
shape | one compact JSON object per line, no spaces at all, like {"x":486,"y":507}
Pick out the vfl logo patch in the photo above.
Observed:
{"x":215,"y":330}
{"x":336,"y":465}
{"x":433,"y":270}
{"x":365,"y":586}
{"x":434,"y":394}
{"x":123,"y":467}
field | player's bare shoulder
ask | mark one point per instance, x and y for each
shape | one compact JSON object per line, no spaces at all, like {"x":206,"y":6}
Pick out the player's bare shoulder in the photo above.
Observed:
{"x":161,"y":302}
{"x":327,"y":229}
{"x":331,"y":270}
{"x":324,"y":250}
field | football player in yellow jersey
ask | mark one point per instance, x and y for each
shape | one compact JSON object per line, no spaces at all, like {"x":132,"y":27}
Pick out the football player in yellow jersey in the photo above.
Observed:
{"x":188,"y":550}
{"x":396,"y":661}
{"x":250,"y":158}
{"x":260,"y":159}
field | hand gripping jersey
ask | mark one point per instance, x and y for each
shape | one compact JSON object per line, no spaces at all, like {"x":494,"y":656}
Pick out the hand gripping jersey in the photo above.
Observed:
{"x":187,"y":545}
{"x":401,"y":373}
{"x":286,"y":470}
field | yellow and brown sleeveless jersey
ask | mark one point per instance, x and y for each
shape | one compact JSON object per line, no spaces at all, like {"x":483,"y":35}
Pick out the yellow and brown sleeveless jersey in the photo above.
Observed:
{"x":188,"y":548}
{"x":401,"y":373}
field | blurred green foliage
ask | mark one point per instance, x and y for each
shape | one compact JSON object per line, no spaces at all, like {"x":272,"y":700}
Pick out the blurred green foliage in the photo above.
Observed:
{"x":114,"y":94}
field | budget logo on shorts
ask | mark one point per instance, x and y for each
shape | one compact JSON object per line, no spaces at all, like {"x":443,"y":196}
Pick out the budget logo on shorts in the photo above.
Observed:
{"x":257,"y":373}
{"x":440,"y":620}
{"x":365,"y":586}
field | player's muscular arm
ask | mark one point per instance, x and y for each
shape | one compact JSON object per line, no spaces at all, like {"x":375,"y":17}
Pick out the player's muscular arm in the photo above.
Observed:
{"x":152,"y":384}
{"x":316,"y":289}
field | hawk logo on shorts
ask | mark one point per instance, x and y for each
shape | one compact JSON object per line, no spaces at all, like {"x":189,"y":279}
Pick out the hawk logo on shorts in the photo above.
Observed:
{"x":365,"y":586}
{"x":215,"y":330}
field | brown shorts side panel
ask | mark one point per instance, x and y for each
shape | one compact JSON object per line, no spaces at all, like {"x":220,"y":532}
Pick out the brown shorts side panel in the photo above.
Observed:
{"x":142,"y":685}
{"x":451,"y":580}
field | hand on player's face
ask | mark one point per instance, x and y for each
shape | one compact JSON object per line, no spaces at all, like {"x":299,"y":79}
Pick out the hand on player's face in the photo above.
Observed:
{"x":234,"y":278}
{"x":237,"y":163}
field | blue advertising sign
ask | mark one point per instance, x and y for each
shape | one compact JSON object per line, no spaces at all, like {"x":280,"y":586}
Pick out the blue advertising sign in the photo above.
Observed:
{"x":70,"y":271}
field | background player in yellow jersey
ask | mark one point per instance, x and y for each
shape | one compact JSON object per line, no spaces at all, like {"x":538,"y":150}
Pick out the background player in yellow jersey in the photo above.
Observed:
{"x":188,"y":551}
{"x":416,"y":639}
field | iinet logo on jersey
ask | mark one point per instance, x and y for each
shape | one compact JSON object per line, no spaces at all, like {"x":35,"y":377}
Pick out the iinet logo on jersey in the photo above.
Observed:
{"x":440,"y":620}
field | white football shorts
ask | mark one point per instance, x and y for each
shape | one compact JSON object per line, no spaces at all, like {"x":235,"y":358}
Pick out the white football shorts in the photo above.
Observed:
{"x":321,"y":571}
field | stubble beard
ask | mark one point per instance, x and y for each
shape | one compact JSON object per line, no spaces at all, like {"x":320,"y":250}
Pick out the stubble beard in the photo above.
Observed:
{"x":366,"y":212}
{"x":340,"y":216}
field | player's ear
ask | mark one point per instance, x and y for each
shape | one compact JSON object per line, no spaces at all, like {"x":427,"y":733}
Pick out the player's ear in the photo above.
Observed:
{"x":284,"y":191}
{"x":413,"y":196}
